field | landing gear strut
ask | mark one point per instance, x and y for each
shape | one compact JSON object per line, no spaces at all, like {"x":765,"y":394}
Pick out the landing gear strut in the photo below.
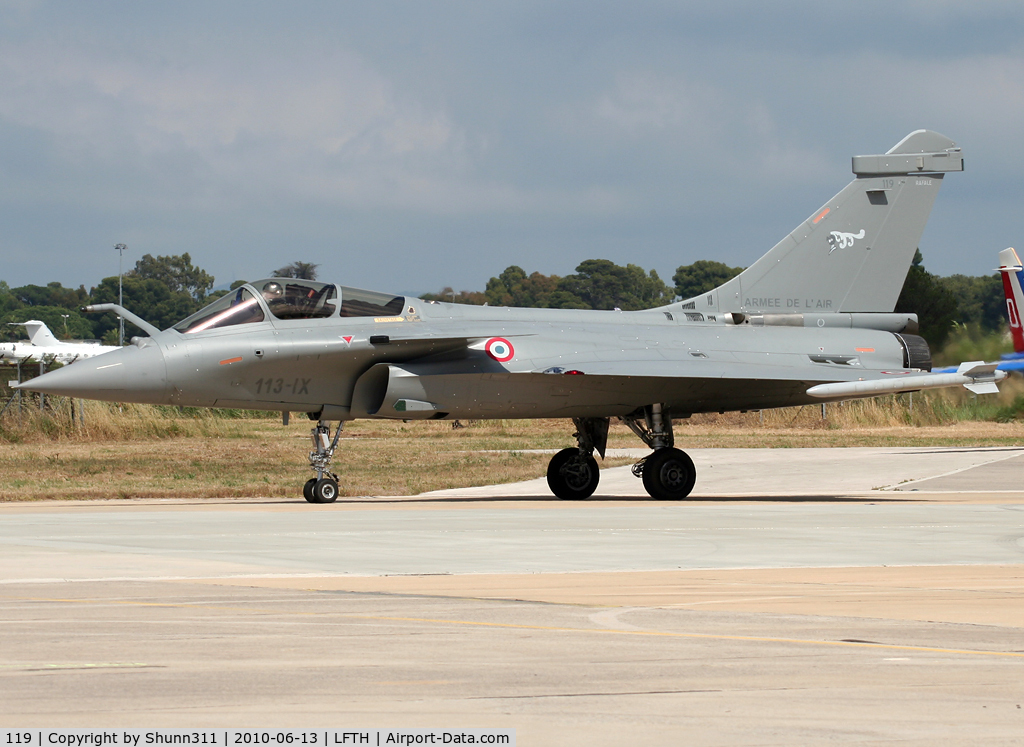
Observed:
{"x":668,"y":473}
{"x":324,"y":487}
{"x":572,"y":473}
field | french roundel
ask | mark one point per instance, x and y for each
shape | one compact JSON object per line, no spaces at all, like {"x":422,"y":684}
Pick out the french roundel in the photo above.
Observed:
{"x":500,"y":349}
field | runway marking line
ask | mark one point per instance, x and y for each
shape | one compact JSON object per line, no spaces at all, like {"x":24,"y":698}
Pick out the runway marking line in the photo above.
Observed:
{"x":551,"y":628}
{"x":902,"y":485}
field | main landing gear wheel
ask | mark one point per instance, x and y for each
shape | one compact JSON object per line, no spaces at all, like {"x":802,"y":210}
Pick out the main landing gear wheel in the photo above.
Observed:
{"x":669,"y":474}
{"x":573,"y":476}
{"x":307,"y":490}
{"x":325,"y":490}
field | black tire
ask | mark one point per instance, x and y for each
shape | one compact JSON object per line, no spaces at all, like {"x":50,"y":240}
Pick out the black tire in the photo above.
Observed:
{"x":572,"y":477}
{"x":669,"y":475}
{"x":325,"y":490}
{"x":307,"y":490}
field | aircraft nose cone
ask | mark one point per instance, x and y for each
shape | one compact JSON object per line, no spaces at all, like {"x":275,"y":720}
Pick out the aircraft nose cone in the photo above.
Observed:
{"x":131,"y":374}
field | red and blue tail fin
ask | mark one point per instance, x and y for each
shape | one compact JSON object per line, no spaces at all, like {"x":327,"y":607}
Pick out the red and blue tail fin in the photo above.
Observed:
{"x":1013,"y":275}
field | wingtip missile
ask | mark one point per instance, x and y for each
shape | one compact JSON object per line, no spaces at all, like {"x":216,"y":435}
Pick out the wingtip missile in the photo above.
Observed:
{"x":977,"y":376}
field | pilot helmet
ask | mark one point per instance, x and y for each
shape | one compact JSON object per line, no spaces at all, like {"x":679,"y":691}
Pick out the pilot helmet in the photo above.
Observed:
{"x":272,"y":290}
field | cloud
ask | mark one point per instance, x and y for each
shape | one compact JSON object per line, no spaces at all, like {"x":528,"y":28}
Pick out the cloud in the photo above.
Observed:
{"x":703,"y":126}
{"x":533,"y":132}
{"x":267,"y":127}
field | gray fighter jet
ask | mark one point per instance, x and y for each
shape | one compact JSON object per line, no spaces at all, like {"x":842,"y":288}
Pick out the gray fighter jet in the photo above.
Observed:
{"x":811,"y":321}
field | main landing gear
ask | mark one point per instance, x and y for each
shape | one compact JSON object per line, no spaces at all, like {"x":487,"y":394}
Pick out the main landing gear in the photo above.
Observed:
{"x":668,"y":473}
{"x":324,"y":487}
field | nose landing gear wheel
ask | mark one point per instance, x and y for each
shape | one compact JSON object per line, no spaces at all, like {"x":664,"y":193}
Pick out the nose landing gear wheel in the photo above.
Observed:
{"x":669,"y":474}
{"x":571,"y":476}
{"x":322,"y":489}
{"x":307,"y":490}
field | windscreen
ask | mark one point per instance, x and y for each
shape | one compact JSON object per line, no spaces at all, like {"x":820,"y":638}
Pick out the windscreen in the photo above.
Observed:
{"x":237,"y":307}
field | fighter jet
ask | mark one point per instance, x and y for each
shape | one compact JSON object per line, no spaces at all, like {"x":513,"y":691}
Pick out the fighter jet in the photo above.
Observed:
{"x":42,"y":345}
{"x":811,"y":321}
{"x":1012,"y":275}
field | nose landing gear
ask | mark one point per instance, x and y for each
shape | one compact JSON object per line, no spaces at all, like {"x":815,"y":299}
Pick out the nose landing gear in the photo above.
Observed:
{"x":324,"y":487}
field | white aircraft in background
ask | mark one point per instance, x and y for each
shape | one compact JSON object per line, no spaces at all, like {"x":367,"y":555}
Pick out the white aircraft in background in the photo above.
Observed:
{"x":42,"y":345}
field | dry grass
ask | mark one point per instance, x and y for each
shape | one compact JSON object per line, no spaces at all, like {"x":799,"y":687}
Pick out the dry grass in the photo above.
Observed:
{"x":210,"y":458}
{"x":148,"y":452}
{"x":63,"y":421}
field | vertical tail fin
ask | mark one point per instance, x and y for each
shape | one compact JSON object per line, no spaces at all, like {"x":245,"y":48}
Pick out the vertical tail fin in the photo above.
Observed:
{"x":1012,"y":273}
{"x":39,"y":333}
{"x":853,"y":253}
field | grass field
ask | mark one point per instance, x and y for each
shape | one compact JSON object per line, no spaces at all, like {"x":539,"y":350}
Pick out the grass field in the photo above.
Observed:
{"x":261,"y":457}
{"x":148,"y":452}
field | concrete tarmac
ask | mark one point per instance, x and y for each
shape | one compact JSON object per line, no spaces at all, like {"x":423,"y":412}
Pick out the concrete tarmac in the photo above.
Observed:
{"x":804,"y":596}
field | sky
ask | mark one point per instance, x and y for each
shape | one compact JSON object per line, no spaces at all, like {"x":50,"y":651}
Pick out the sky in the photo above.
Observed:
{"x":409,"y":146}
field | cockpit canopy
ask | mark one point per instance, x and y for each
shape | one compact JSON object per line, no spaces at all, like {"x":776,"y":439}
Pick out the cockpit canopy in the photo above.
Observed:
{"x":290,"y":298}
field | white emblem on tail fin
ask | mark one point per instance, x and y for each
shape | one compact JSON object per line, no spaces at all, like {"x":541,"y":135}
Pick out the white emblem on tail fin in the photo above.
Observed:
{"x":841,"y":239}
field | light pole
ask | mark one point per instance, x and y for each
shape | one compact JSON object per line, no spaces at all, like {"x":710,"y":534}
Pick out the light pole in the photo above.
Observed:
{"x":119,"y":248}
{"x":66,"y":333}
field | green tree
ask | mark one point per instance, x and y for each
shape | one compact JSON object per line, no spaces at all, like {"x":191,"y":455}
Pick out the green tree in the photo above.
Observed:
{"x":514,"y":287}
{"x":151,"y":299}
{"x":64,"y":323}
{"x":563,"y":299}
{"x":176,"y":272}
{"x":504,"y":289}
{"x":47,"y":303}
{"x":602,"y":284}
{"x":8,"y":301}
{"x":934,"y":304}
{"x":980,"y":299}
{"x":702,"y":276}
{"x":52,"y":294}
{"x":300,"y":270}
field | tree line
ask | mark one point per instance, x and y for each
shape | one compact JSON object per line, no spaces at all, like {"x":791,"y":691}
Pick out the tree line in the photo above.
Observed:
{"x":165,"y":290}
{"x":939,"y":302}
{"x":162,"y":290}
